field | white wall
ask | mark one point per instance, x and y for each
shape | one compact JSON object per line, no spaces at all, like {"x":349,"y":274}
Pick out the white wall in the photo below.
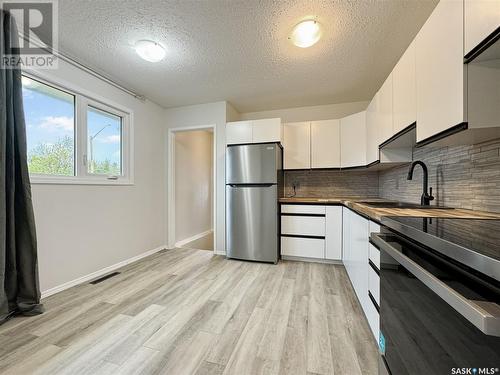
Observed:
{"x":193,"y":183}
{"x":231,"y":113}
{"x":84,"y":228}
{"x":312,"y":113}
{"x":203,"y":115}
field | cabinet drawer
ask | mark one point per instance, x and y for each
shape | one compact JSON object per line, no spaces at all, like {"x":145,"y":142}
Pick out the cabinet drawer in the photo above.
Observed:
{"x":374,"y":255}
{"x":302,"y":209}
{"x":374,"y":227}
{"x":303,"y":225}
{"x":373,"y":318}
{"x":374,"y":284}
{"x":303,"y":247}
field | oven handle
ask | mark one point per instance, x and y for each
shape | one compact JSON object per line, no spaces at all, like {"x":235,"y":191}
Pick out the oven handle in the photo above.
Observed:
{"x":486,"y":316}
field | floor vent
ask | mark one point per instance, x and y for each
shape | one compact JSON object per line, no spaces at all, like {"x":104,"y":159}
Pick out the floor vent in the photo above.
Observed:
{"x":105,"y":277}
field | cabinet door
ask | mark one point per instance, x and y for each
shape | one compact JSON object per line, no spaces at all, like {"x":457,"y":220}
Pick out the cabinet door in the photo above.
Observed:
{"x":373,"y":318}
{"x":440,"y":70}
{"x":404,"y":90}
{"x":372,"y":136}
{"x":238,"y":132}
{"x":359,"y":238}
{"x":353,"y":140}
{"x":297,"y":145}
{"x":346,"y":241}
{"x":482,"y":17}
{"x":325,"y":144}
{"x":333,"y":233}
{"x":384,"y":113}
{"x":267,"y":130}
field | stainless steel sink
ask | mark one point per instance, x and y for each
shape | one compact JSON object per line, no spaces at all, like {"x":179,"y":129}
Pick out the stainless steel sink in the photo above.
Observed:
{"x":403,"y":205}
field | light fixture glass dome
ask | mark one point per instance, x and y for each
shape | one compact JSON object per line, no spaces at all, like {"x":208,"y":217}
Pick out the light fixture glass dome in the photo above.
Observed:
{"x":306,"y":33}
{"x":149,"y":50}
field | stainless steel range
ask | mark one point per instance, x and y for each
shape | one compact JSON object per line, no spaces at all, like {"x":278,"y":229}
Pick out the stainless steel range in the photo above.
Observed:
{"x":439,"y":295}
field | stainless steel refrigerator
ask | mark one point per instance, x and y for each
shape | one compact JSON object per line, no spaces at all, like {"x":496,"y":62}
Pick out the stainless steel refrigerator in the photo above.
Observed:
{"x":254,"y":182}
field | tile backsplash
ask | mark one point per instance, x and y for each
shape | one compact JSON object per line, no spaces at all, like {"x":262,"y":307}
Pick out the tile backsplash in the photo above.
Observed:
{"x":461,"y":176}
{"x":330,"y":183}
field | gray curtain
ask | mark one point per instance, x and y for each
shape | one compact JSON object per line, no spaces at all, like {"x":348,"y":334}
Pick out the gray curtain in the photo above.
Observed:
{"x":19,"y":289}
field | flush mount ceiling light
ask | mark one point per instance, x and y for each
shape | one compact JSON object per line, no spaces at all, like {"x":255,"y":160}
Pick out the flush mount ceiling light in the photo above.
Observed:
{"x":306,"y":33}
{"x":149,"y":50}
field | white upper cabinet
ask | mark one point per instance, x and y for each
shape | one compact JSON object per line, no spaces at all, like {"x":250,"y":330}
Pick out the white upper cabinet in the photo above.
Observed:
{"x":404,"y":90}
{"x":440,"y":70}
{"x":238,"y":132}
{"x":384,"y":113}
{"x":372,"y":136}
{"x":482,"y":17}
{"x":353,"y":140}
{"x":297,"y":145}
{"x":325,"y":144}
{"x":267,"y":130}
{"x":254,"y":131}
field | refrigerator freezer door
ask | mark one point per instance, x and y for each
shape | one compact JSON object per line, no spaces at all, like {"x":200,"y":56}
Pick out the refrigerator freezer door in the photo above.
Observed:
{"x":252,"y":223}
{"x":253,"y":164}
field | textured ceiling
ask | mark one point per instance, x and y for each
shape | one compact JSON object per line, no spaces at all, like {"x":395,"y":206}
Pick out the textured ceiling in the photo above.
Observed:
{"x":238,"y":50}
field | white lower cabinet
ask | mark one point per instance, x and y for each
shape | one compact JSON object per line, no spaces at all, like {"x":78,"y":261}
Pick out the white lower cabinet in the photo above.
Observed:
{"x":372,"y":313}
{"x":311,"y":231}
{"x":374,"y":254}
{"x":356,"y":255}
{"x":303,"y":247}
{"x":373,"y":317}
{"x":359,"y":244}
{"x":333,"y":233}
{"x":374,"y":284}
{"x":302,"y":209}
{"x":346,"y":241}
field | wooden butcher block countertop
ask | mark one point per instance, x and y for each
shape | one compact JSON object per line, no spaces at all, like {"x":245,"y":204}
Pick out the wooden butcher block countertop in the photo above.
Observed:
{"x":376,"y":213}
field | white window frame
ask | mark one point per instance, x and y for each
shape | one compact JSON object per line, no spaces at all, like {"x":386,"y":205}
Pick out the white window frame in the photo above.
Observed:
{"x":84,"y":99}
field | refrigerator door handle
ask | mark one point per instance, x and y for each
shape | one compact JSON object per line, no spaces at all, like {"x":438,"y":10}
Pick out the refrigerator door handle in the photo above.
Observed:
{"x":250,"y":185}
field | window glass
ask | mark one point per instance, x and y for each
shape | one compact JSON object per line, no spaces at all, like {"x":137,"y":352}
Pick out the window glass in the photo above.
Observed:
{"x":50,"y":128}
{"x":104,"y":137}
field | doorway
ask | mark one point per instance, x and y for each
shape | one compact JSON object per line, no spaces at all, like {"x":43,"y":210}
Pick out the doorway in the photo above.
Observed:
{"x":192,"y":177}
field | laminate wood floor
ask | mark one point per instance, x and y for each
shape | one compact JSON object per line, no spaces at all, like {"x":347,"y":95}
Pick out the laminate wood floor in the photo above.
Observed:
{"x":188,"y":311}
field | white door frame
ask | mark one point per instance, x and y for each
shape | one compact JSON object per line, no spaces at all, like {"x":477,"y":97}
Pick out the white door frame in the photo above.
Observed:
{"x":171,"y":179}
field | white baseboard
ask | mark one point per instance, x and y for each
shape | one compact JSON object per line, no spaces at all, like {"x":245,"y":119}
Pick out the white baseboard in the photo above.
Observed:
{"x":310,"y":260}
{"x":193,"y":238}
{"x":96,"y":274}
{"x":219,"y":252}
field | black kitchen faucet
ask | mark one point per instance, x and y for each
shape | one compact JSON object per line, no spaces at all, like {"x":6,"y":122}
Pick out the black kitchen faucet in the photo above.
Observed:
{"x":426,"y":198}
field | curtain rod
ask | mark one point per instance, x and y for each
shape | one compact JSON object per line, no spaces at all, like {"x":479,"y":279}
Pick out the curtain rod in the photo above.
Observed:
{"x":73,"y":61}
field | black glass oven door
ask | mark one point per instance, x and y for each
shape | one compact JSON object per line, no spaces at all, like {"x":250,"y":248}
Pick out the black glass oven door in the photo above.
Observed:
{"x":434,"y":314}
